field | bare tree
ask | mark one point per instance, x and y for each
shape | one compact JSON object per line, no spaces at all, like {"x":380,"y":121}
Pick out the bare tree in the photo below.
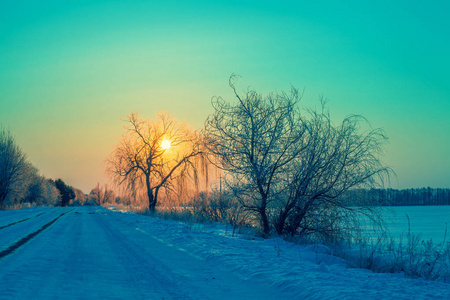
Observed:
{"x":51,"y":195}
{"x":80,"y":197}
{"x":153,"y":154}
{"x":102,"y":194}
{"x":13,"y":167}
{"x":290,"y":169}
{"x":255,"y":140}
{"x":337,"y":158}
{"x":35,"y":189}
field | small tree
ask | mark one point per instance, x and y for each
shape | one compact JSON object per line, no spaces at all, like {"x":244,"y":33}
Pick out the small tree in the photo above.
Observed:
{"x":80,"y":197}
{"x":152,"y":155}
{"x":66,"y":192}
{"x":51,"y":195}
{"x":35,"y":190}
{"x":102,"y":194}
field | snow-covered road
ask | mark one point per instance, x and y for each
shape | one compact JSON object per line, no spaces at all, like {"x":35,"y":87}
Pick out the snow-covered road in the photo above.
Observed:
{"x":87,"y":254}
{"x":95,"y":253}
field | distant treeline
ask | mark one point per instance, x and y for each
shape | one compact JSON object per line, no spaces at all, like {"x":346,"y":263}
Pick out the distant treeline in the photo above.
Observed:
{"x":407,"y":197}
{"x":22,"y":185}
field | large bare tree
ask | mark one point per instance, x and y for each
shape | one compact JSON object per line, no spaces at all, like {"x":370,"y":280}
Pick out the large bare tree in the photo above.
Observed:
{"x":288,"y":167}
{"x":255,"y":140}
{"x":152,"y":154}
{"x":338,"y":158}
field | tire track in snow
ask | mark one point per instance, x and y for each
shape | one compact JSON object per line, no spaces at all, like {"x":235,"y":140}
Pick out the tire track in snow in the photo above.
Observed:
{"x":24,"y":240}
{"x":23,"y":220}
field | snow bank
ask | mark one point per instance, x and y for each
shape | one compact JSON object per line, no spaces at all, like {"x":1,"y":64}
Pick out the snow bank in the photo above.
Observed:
{"x":303,"y":272}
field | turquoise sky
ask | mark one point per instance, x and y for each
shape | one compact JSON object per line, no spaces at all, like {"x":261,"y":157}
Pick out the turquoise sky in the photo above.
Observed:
{"x":69,"y":70}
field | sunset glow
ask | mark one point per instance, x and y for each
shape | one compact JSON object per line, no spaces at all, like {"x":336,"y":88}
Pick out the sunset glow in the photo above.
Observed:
{"x":71,"y":70}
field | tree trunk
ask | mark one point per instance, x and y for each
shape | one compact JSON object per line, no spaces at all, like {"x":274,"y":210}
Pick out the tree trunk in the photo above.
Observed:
{"x":299,"y":215}
{"x":151,"y":198}
{"x":264,"y":220}
{"x":155,"y":198}
{"x":295,"y":222}
{"x":2,"y":199}
{"x":279,"y":223}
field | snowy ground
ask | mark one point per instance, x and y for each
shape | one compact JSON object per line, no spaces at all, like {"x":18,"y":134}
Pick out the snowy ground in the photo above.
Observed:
{"x":95,"y":253}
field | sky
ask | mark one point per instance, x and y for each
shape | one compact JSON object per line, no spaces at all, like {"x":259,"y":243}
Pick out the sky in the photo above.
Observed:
{"x":70,"y":71}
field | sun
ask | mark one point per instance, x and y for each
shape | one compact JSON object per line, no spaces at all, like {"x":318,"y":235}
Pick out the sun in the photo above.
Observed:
{"x":165,"y":144}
